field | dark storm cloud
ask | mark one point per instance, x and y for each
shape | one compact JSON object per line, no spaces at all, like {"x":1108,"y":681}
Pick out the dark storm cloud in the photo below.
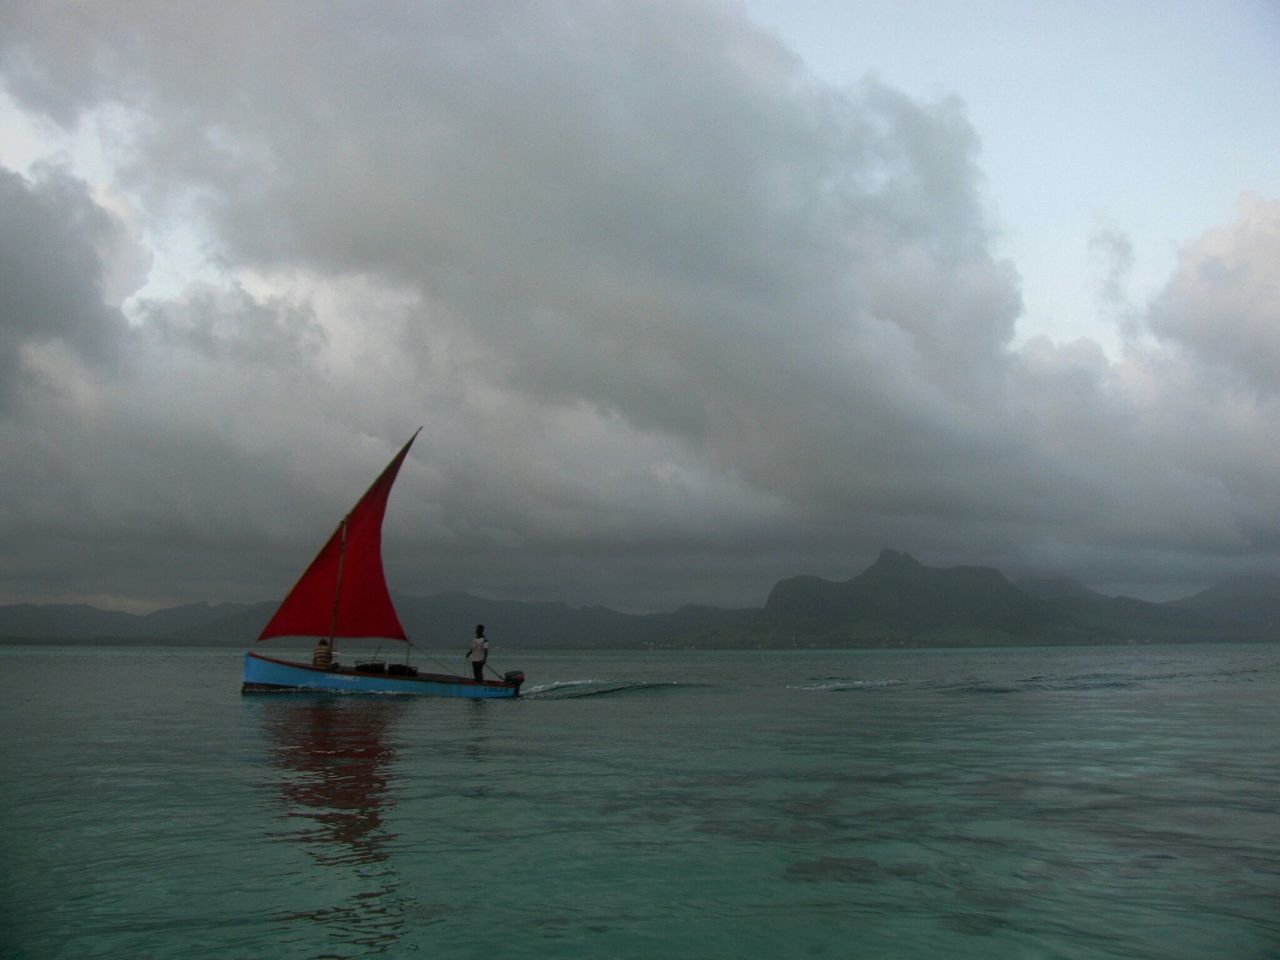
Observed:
{"x":52,"y":242}
{"x":678,"y":319}
{"x":229,"y":326}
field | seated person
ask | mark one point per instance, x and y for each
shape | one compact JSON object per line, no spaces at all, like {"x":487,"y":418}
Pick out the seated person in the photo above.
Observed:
{"x":322,"y":655}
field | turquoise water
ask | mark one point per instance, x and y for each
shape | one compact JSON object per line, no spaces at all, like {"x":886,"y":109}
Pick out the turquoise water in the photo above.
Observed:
{"x":1038,"y":803}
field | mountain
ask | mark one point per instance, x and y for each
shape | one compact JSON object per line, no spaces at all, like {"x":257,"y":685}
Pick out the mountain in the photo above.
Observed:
{"x":897,"y":601}
{"x":898,"y":597}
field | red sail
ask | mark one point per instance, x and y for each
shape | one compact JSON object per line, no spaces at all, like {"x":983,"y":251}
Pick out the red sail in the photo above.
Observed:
{"x":344,"y":592}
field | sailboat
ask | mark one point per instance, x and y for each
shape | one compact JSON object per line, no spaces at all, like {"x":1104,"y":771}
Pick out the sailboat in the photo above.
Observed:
{"x":343,"y":595}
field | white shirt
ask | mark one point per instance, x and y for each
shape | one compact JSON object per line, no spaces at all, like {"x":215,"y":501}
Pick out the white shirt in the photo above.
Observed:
{"x":479,"y":650}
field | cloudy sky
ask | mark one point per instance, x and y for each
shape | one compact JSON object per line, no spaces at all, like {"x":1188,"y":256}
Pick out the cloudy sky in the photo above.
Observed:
{"x":687,"y":296}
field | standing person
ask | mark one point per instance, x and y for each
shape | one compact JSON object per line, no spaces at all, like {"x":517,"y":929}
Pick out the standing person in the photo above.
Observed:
{"x":478,"y":653}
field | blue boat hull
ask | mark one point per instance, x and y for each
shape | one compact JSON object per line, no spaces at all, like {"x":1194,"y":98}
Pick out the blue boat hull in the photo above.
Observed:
{"x":267,"y":675}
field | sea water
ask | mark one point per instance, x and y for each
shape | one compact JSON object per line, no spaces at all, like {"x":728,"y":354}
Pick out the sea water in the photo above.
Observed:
{"x":989,"y":803}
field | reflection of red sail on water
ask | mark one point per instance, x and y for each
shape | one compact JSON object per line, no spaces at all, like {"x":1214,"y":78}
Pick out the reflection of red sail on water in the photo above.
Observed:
{"x":337,"y":757}
{"x":333,"y":761}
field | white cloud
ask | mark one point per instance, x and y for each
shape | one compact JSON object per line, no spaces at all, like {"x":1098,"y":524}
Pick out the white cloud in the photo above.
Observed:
{"x":1223,"y":303}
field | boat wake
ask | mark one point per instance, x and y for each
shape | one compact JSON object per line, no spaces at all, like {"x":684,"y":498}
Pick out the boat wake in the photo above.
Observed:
{"x":576,"y":689}
{"x":972,"y":685}
{"x":1085,"y":681}
{"x":841,"y":684}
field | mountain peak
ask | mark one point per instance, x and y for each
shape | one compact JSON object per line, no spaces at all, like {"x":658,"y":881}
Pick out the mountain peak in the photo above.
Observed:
{"x":892,"y":559}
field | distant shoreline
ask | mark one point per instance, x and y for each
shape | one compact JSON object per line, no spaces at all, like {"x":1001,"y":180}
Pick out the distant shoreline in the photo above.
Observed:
{"x":990,"y":643}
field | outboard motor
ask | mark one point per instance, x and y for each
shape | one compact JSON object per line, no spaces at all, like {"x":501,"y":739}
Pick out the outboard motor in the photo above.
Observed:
{"x":514,"y":676}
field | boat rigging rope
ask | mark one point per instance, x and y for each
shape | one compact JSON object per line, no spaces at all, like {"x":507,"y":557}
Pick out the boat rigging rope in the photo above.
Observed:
{"x":431,"y":658}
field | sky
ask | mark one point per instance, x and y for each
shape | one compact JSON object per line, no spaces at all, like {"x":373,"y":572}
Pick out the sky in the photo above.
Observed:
{"x":686,"y":296}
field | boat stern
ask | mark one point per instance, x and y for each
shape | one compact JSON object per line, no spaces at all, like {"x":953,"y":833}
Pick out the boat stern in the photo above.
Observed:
{"x":515,"y":678}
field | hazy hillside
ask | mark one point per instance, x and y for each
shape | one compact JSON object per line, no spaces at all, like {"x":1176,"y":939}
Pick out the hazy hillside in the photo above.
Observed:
{"x":441,"y":621}
{"x":1055,"y":588}
{"x":82,"y":622}
{"x":451,"y":618}
{"x":1247,"y":601}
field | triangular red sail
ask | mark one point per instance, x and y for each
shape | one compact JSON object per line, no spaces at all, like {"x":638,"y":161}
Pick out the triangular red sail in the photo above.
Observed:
{"x":344,"y":592}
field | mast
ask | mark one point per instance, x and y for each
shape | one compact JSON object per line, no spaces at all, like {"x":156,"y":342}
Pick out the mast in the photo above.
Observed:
{"x":337,"y":586}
